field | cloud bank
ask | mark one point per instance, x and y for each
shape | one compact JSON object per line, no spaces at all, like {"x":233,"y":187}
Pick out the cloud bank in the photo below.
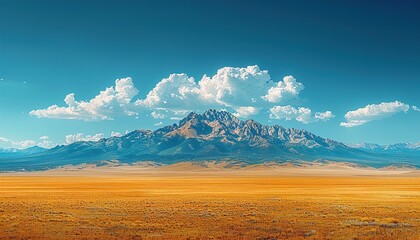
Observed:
{"x":111,"y":102}
{"x":16,"y":144}
{"x":45,"y":141}
{"x":301,"y":114}
{"x":373,"y":112}
{"x":243,"y":91}
{"x":71,"y":138}
{"x":42,"y":142}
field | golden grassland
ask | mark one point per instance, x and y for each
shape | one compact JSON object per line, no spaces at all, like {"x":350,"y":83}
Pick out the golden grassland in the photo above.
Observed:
{"x":206,"y":206}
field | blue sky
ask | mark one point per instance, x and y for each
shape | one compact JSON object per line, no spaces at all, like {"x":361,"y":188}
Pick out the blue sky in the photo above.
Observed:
{"x":349,"y":63}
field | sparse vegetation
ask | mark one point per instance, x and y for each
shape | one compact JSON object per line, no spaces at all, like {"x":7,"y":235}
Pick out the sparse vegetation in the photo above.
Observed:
{"x":209,"y":207}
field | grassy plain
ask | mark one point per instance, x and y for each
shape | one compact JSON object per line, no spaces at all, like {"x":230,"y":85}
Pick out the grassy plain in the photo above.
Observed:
{"x":209,"y":206}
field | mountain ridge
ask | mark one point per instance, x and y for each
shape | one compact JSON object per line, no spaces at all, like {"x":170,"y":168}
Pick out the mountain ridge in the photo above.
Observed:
{"x":397,"y":147}
{"x":21,"y":152}
{"x":213,"y":135}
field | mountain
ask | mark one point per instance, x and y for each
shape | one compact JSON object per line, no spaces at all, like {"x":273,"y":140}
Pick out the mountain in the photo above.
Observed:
{"x":213,"y":135}
{"x":14,"y":152}
{"x":399,"y":148}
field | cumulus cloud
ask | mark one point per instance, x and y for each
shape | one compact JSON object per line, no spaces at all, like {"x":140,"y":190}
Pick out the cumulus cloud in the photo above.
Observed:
{"x":16,"y":144}
{"x":113,"y":101}
{"x":284,"y":90}
{"x":415,"y":108}
{"x":116,"y":134}
{"x":71,"y":138}
{"x":157,"y":115}
{"x":246,"y":111}
{"x":324,"y":116}
{"x":174,"y":92}
{"x":300,"y":114}
{"x":235,"y":87}
{"x":44,"y":138}
{"x":373,"y":112}
{"x":44,"y":142}
{"x":244,"y":90}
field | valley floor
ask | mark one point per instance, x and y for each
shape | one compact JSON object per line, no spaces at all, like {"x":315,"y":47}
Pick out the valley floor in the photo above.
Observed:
{"x":208,"y":206}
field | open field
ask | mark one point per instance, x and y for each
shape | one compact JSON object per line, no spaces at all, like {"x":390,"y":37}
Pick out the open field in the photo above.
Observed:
{"x":209,"y":206}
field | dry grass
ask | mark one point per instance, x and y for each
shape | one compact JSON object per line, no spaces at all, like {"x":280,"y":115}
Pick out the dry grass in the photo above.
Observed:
{"x":209,"y":207}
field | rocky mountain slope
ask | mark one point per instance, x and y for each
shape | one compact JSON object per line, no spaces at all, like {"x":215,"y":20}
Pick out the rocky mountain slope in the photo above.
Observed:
{"x":213,"y":135}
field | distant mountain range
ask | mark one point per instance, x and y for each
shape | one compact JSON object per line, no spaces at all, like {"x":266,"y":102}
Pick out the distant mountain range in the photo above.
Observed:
{"x":20,"y":152}
{"x":399,"y":147}
{"x":405,"y":148}
{"x":213,"y":135}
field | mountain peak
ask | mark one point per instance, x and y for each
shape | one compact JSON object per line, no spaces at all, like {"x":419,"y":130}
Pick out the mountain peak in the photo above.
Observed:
{"x":223,"y":126}
{"x":211,"y":135}
{"x":213,"y":114}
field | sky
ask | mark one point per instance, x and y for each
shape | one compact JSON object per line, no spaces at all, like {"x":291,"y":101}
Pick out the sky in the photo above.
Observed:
{"x":82,"y":70}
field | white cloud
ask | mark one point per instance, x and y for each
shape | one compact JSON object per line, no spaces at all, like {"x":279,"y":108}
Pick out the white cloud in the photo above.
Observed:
{"x":71,"y":138}
{"x":324,"y":116}
{"x":158,"y":124}
{"x":284,"y":90}
{"x":301,"y":114}
{"x":415,"y":108}
{"x":116,"y":134}
{"x":245,"y":112}
{"x":373,"y":112}
{"x":45,"y":142}
{"x":8,"y":143}
{"x":113,"y":101}
{"x":243,"y":91}
{"x":157,"y":115}
{"x":174,"y":92}
{"x":235,"y":87}
{"x":240,"y":89}
{"x":26,"y":143}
